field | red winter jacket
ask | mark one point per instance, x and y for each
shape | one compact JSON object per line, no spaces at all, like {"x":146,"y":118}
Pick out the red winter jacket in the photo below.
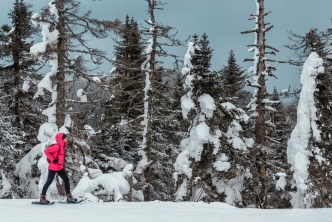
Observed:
{"x":56,"y":151}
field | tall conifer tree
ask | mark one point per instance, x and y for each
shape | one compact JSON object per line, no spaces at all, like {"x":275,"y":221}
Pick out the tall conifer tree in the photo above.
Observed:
{"x":15,"y":43}
{"x":20,"y":114}
{"x":64,"y":32}
{"x":128,"y":60}
{"x":120,"y":136}
{"x":233,"y":80}
{"x":208,"y":166}
{"x":319,"y":185}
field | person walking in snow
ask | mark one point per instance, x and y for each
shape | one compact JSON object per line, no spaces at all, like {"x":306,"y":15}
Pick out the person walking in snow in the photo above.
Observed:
{"x":55,"y":154}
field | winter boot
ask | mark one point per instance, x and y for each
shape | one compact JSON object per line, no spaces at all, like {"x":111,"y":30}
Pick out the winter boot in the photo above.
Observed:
{"x":70,"y":199}
{"x":43,"y":200}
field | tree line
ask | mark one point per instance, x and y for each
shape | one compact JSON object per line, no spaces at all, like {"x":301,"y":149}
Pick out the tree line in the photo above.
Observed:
{"x":153,"y":116}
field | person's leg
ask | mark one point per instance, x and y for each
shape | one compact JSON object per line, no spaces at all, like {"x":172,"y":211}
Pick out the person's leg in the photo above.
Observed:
{"x":62,"y":173}
{"x":50,"y":177}
{"x":49,"y":181}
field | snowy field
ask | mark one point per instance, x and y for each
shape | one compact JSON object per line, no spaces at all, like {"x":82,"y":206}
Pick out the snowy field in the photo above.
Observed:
{"x":23,"y":210}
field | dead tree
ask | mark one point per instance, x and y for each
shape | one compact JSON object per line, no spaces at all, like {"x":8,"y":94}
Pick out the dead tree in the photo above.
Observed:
{"x":147,"y":168}
{"x":260,"y":103}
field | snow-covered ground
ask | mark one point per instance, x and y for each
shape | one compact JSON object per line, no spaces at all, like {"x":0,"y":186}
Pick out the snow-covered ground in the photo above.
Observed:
{"x":23,"y":210}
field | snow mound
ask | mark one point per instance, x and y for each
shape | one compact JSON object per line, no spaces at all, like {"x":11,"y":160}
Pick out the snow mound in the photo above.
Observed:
{"x":115,"y":184}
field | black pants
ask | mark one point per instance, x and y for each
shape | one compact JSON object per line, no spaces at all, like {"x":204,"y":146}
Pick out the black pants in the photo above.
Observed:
{"x":51,"y":174}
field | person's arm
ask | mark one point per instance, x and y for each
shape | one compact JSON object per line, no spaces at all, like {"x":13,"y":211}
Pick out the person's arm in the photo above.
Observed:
{"x":51,"y":152}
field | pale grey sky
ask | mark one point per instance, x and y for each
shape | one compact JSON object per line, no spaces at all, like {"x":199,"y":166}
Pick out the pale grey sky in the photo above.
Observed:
{"x":222,"y":20}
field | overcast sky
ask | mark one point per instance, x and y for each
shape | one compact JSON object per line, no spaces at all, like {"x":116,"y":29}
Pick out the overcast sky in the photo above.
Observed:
{"x":222,"y":20}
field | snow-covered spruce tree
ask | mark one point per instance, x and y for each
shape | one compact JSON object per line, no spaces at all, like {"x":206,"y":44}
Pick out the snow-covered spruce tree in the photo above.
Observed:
{"x":198,"y":142}
{"x":262,"y":171}
{"x":277,"y":155}
{"x":128,"y":81}
{"x":121,"y":132}
{"x":318,"y":191}
{"x":310,"y":168}
{"x":282,"y":129}
{"x":15,"y":42}
{"x":20,"y":115}
{"x":232,"y":78}
{"x":206,"y":168}
{"x":63,"y":32}
{"x":18,"y":71}
{"x":154,"y":166}
{"x":168,"y":131}
{"x":318,"y":171}
{"x":236,"y":141}
{"x":202,"y":59}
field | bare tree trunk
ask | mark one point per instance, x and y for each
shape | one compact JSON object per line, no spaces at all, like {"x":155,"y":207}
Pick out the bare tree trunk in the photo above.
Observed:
{"x":260,"y":130}
{"x":60,"y":75}
{"x":131,"y":184}
{"x":260,"y":127}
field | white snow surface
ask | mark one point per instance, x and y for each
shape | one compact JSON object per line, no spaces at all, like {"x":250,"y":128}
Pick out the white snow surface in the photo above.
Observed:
{"x":22,"y":210}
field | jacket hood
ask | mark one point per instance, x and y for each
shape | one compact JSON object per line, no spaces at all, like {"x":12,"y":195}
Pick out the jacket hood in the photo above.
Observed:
{"x":58,"y":139}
